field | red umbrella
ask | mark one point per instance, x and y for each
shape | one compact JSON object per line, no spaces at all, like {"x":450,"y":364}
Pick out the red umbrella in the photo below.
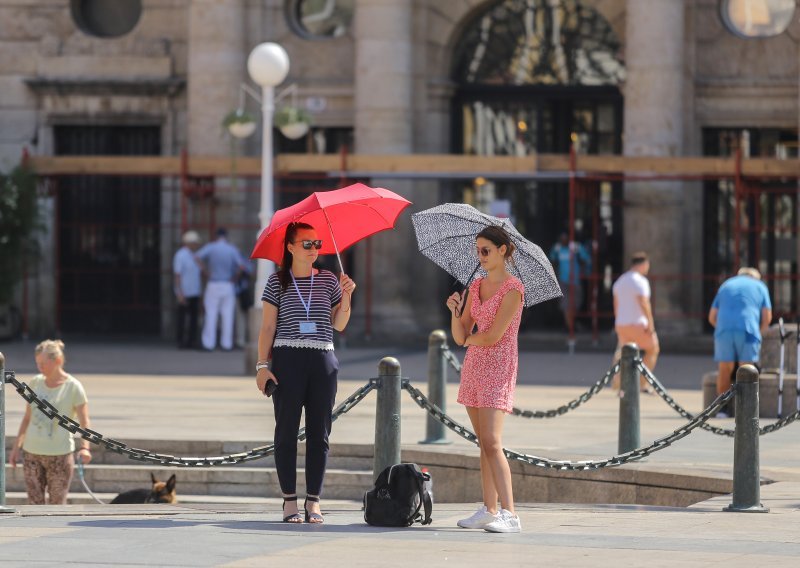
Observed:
{"x":341,"y":217}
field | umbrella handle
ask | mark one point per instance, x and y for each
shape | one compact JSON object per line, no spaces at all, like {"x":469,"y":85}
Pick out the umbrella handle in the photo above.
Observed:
{"x":333,"y":238}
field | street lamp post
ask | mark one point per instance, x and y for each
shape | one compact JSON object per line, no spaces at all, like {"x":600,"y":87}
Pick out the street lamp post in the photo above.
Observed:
{"x":268,"y":65}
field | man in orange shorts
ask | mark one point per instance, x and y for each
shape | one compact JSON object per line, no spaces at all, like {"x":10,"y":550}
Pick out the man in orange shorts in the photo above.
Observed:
{"x":633,"y":315}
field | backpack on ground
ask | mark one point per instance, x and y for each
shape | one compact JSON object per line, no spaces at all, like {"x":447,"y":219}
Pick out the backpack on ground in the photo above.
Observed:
{"x":397,"y":497}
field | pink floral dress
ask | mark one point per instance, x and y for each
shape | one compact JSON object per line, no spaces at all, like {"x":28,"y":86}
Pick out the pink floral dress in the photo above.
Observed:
{"x":489,"y":374}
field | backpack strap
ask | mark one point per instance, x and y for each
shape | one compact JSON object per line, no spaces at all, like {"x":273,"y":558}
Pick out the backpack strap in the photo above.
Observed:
{"x":425,"y":499}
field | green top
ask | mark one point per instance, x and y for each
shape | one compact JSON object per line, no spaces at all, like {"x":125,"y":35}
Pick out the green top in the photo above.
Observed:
{"x":44,"y":436}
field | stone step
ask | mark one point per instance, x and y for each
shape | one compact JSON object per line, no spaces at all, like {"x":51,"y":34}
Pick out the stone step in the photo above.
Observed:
{"x":222,"y":481}
{"x":355,"y":457}
{"x":77,"y":498}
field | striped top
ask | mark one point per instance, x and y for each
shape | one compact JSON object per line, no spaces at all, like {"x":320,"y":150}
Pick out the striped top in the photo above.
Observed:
{"x":291,"y":313}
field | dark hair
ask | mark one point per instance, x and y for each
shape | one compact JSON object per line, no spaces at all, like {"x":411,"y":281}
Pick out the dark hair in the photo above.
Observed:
{"x":638,"y":258}
{"x":499,"y":237}
{"x":286,"y":262}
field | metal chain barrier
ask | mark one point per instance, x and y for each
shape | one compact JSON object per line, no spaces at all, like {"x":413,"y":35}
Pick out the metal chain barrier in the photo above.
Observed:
{"x":553,"y":413}
{"x":662,"y":392}
{"x":614,"y":461}
{"x":137,"y":454}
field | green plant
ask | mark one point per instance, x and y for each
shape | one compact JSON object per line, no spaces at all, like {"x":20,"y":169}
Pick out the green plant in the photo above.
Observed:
{"x":19,"y":223}
{"x":291,"y":115}
{"x":237,"y":116}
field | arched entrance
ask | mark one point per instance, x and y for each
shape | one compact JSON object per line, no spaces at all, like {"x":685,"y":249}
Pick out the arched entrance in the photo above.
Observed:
{"x":536,"y":76}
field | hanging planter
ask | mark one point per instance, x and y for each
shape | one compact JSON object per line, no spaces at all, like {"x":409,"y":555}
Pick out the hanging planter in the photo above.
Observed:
{"x":293,"y":122}
{"x":239,"y":123}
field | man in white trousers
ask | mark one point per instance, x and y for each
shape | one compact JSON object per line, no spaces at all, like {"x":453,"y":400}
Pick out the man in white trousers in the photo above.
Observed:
{"x":221,"y":261}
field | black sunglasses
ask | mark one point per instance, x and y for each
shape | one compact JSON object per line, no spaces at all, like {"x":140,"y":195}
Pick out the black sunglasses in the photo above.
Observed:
{"x":317,"y":244}
{"x":483,"y":251}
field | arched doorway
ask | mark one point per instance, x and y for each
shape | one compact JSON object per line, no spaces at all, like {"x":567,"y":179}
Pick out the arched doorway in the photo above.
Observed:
{"x":535,"y":76}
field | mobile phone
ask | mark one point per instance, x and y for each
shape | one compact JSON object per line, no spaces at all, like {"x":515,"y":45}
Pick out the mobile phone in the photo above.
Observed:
{"x":270,"y":388}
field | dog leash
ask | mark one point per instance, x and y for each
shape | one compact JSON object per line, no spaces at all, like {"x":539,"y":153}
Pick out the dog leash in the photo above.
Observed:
{"x":79,"y":465}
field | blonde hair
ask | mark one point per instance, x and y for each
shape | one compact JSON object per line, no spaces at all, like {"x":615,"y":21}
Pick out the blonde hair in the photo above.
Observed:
{"x":52,"y":348}
{"x":751,"y":272}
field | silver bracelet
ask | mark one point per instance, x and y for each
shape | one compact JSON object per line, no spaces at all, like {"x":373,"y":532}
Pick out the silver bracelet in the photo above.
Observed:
{"x":267,"y":365}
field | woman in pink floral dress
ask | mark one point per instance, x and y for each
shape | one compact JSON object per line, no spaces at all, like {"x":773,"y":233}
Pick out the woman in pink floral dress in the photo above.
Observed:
{"x":489,"y":374}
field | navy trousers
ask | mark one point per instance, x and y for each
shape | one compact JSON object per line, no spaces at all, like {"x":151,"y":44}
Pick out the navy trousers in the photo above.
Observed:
{"x":306,"y":380}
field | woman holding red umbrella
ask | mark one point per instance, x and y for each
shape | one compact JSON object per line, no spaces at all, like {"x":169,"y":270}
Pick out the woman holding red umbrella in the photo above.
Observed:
{"x":296,"y":362}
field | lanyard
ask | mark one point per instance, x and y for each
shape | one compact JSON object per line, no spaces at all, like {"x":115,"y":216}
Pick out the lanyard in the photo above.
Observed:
{"x":311,"y":288}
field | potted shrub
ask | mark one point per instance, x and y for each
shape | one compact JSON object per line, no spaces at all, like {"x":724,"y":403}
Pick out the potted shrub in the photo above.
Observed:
{"x":239,"y":123}
{"x":293,"y":122}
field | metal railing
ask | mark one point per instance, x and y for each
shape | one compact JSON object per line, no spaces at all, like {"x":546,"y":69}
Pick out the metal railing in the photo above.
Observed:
{"x":390,"y":383}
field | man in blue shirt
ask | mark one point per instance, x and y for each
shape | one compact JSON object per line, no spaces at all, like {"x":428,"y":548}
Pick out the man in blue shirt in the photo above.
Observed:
{"x":188,"y":286}
{"x":572,"y":298}
{"x":740,"y":313}
{"x":222,"y":263}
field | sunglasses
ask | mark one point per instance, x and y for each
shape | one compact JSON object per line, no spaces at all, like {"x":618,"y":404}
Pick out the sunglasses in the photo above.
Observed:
{"x":317,"y":244}
{"x":483,"y":251}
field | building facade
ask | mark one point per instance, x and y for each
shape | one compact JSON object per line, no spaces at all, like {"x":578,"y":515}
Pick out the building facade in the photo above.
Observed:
{"x":156,"y":77}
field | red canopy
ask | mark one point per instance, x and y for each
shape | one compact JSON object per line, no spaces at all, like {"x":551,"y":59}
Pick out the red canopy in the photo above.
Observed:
{"x":341,"y":218}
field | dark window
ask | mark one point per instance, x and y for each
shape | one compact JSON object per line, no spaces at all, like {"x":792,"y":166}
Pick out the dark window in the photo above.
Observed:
{"x":104,"y":18}
{"x":108,"y":239}
{"x":319,"y":19}
{"x":768,"y":216}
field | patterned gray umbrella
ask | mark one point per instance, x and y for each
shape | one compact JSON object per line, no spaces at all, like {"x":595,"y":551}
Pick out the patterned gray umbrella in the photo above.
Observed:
{"x":446,"y":235}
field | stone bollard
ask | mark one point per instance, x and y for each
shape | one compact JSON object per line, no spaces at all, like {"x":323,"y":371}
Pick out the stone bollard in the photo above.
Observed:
{"x":3,"y":508}
{"x":629,"y":438}
{"x":746,"y":468}
{"x":387,"y":416}
{"x":435,"y":431}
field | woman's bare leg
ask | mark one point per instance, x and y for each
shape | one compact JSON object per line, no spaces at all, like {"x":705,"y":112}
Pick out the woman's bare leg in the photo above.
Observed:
{"x":491,"y":431}
{"x":487,"y":479}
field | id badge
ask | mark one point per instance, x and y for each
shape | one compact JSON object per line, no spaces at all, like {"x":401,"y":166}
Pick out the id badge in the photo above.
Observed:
{"x":308,"y":327}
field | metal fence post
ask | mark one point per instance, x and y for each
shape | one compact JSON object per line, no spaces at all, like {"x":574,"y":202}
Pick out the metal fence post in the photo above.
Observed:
{"x":3,"y":508}
{"x":387,"y":416}
{"x":746,"y":468}
{"x":435,"y":431}
{"x":629,"y":438}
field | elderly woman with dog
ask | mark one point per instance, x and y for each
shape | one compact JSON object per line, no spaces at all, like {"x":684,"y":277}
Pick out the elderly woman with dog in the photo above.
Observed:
{"x":46,"y":448}
{"x":297,"y":365}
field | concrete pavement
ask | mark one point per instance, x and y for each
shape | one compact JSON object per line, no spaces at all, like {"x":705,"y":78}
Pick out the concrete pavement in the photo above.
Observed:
{"x":563,"y":535}
{"x":191,"y":400}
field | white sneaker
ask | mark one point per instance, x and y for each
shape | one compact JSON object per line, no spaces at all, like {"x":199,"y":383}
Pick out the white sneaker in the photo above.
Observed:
{"x":478,"y":520}
{"x":506,"y":522}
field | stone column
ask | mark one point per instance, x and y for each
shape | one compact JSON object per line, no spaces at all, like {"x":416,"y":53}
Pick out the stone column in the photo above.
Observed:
{"x":654,"y":91}
{"x":383,"y":125}
{"x":216,"y":67}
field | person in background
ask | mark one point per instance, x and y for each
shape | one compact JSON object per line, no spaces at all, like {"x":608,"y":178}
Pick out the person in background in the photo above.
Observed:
{"x":188,"y":288}
{"x":740,"y":313}
{"x":222,"y":265}
{"x":46,"y":448}
{"x":580,"y":264}
{"x":633,"y":315}
{"x":245,"y":296}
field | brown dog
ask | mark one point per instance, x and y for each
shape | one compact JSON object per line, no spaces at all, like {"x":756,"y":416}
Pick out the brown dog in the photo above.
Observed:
{"x":161,"y":492}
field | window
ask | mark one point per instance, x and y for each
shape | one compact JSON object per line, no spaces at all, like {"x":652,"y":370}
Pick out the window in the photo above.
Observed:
{"x":534,"y":42}
{"x":757,"y":18}
{"x":319,"y":19}
{"x":101,"y":18}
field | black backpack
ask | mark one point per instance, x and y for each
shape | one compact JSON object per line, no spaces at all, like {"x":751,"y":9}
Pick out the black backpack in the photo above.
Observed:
{"x":397,"y":497}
